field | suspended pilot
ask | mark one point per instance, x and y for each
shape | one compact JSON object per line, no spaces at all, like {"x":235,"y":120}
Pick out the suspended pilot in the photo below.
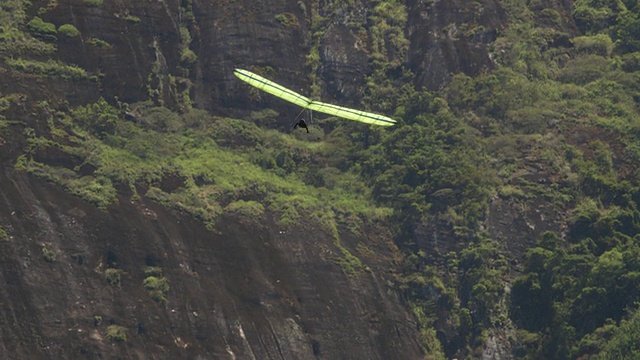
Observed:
{"x":302,"y":124}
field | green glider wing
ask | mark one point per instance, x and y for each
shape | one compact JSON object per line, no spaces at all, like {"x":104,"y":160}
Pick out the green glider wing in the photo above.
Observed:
{"x":351,"y":114}
{"x":302,"y":101}
{"x":272,"y":88}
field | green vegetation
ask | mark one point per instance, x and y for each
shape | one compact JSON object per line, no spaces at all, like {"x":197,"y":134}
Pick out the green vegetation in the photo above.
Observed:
{"x":187,"y":56}
{"x":99,"y":43}
{"x":116,"y":333}
{"x":153,"y":271}
{"x":157,"y":287}
{"x":251,"y":209}
{"x":460,"y":146}
{"x":47,"y":254}
{"x":555,"y":124}
{"x":288,"y":20}
{"x":622,"y":342}
{"x":575,"y":290}
{"x":156,"y":284}
{"x":132,"y":19}
{"x":114,"y":276}
{"x":93,"y":3}
{"x":42,"y":30}
{"x":3,"y":234}
{"x":14,"y":41}
{"x":223,"y":166}
{"x":48,"y":68}
{"x":68,"y":30}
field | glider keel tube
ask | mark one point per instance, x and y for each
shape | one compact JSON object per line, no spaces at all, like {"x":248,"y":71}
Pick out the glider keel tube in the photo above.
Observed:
{"x":304,"y":102}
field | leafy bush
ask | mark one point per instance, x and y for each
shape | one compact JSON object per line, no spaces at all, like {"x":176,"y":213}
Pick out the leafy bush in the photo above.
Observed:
{"x":41,"y":29}
{"x":627,"y":30}
{"x":132,"y":19}
{"x":188,"y":56}
{"x":623,"y":344}
{"x":593,"y":16}
{"x":157,"y":288}
{"x":287,"y":20}
{"x":99,"y":118}
{"x":599,"y":44}
{"x":99,"y":43}
{"x":153,"y":271}
{"x":631,"y":62}
{"x":116,"y":333}
{"x":113,"y":276}
{"x":68,"y":30}
{"x":584,"y":70}
{"x":48,"y":255}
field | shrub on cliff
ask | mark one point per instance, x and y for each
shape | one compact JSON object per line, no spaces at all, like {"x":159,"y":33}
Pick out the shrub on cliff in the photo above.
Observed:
{"x":116,"y":333}
{"x":42,"y":30}
{"x":68,"y":30}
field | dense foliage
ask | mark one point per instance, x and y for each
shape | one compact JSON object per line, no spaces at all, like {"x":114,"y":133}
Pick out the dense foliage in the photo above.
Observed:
{"x":555,"y":123}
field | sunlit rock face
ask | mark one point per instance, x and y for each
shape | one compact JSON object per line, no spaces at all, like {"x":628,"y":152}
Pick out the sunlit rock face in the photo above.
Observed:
{"x":246,"y":289}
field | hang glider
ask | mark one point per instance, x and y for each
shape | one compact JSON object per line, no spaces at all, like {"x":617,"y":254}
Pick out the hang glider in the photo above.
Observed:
{"x":282,"y":92}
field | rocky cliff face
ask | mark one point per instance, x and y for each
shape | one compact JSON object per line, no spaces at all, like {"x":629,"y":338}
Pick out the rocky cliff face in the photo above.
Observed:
{"x":247,"y":288}
{"x":142,"y":52}
{"x":74,"y":276}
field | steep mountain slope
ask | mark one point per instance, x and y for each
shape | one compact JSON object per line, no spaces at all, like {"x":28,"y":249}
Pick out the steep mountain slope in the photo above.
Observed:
{"x":498,"y":220}
{"x":244,"y":290}
{"x":135,"y":279}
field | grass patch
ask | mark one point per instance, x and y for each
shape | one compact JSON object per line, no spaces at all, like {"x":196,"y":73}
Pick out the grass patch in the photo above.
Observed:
{"x":251,"y":209}
{"x":93,"y":3}
{"x":258,"y":171}
{"x":96,"y":190}
{"x":48,"y":68}
{"x":16,"y":42}
{"x":350,"y":264}
{"x":13,"y":40}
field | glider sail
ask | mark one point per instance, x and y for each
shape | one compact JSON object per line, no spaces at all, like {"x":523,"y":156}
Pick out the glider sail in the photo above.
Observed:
{"x":272,"y":88}
{"x":282,"y":92}
{"x":351,"y":114}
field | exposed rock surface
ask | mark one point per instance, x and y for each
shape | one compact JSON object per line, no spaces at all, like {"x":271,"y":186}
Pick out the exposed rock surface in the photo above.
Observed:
{"x":247,"y":290}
